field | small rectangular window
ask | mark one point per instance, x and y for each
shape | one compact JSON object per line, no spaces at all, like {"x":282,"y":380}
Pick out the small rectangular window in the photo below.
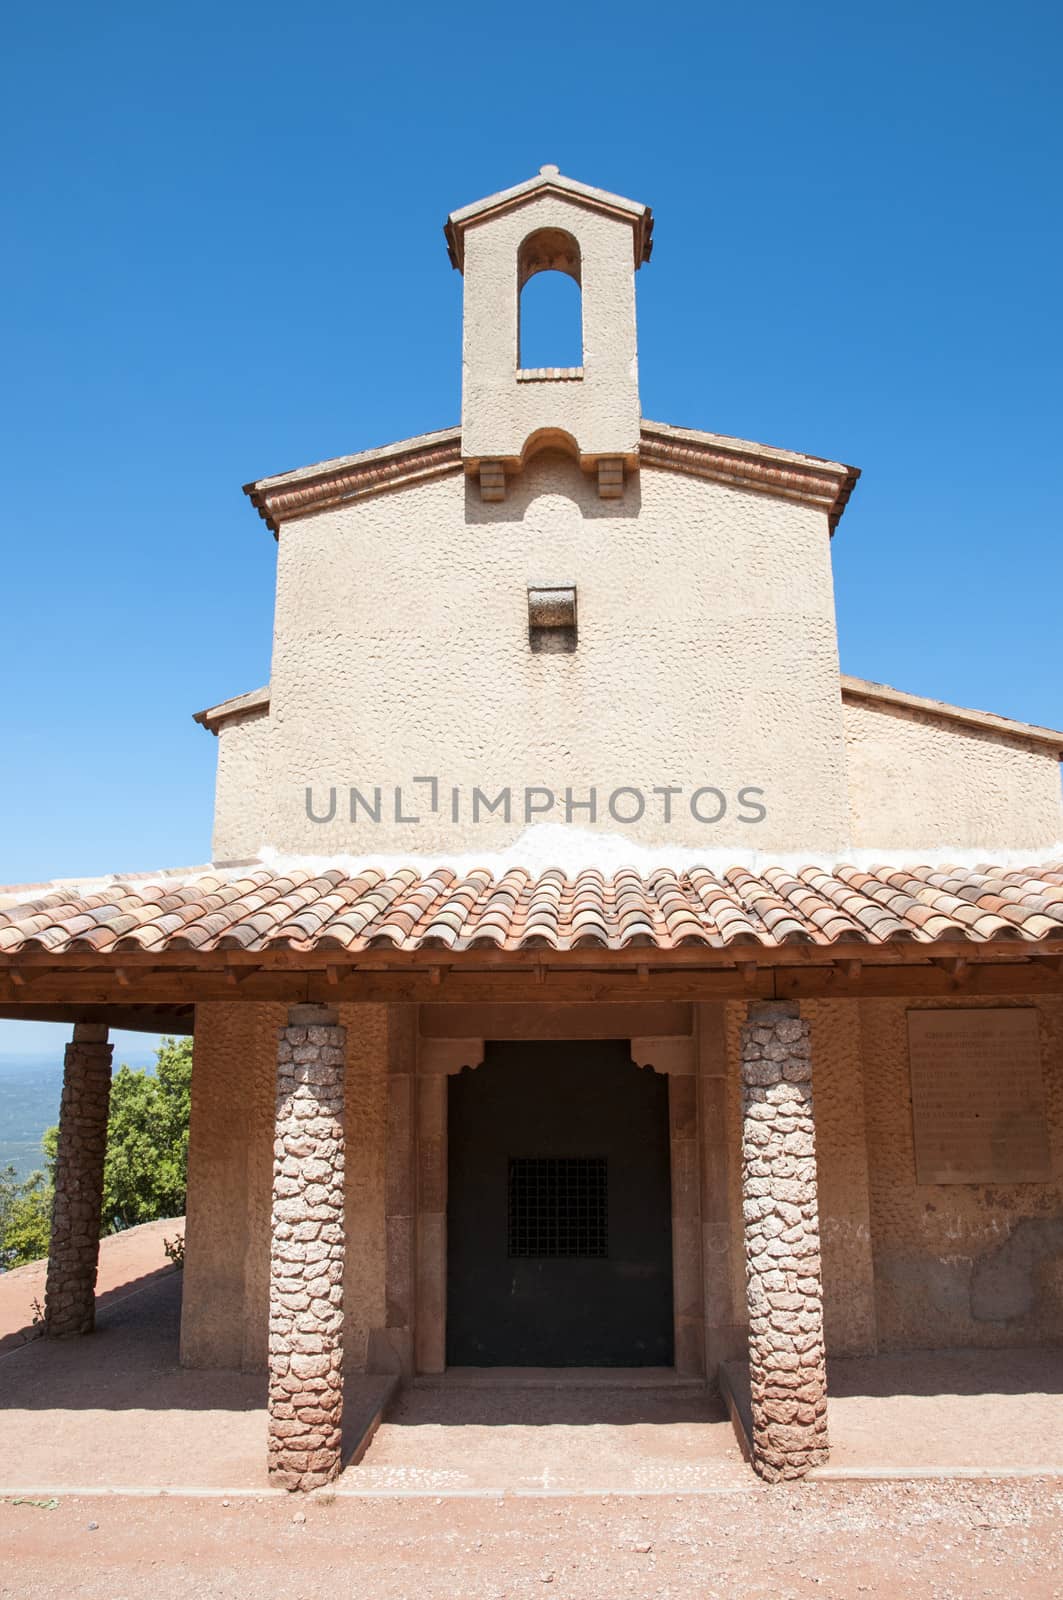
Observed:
{"x":558,"y":1206}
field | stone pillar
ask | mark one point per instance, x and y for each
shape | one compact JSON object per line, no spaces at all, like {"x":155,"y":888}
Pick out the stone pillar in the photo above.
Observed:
{"x":74,"y":1250}
{"x":787,"y":1366}
{"x":306,"y":1258}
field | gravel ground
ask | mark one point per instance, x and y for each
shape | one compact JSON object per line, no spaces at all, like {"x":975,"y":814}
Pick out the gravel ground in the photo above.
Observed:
{"x":949,"y":1541}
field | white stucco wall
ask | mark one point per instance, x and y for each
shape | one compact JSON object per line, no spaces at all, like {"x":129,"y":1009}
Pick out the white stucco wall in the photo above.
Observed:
{"x":244,"y":777}
{"x":706,"y":656}
{"x":919,"y":781}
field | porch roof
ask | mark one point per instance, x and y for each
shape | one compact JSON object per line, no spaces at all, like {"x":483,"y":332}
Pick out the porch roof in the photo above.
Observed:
{"x":344,"y":910}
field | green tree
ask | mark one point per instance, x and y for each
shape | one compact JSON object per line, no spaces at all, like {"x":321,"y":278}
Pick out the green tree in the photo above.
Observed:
{"x":29,"y":1221}
{"x":9,"y":1188}
{"x":145,"y":1169}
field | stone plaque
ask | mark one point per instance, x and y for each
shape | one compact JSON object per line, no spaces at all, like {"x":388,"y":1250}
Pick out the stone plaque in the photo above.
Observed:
{"x":978,"y":1102}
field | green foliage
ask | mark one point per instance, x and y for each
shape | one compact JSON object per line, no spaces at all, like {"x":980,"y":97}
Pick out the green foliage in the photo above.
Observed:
{"x":28,"y":1221}
{"x":145,"y":1170}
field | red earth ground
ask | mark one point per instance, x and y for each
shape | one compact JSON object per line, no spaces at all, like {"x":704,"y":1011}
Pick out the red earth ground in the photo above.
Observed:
{"x":955,"y":1541}
{"x":117,"y":1409}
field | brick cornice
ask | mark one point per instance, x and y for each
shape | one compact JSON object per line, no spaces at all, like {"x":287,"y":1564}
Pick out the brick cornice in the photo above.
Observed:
{"x":784,"y":474}
{"x":862,"y":691}
{"x":805,"y":479}
{"x":334,"y":483}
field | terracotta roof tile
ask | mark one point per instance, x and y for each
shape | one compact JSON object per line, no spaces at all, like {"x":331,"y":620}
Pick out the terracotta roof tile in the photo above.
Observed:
{"x":409,"y":909}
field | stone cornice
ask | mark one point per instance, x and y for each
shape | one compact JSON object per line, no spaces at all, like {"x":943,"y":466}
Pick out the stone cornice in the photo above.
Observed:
{"x":550,"y":183}
{"x":742,"y":465}
{"x":738,"y":463}
{"x":239,"y":709}
{"x":861,"y":691}
{"x":333,"y":483}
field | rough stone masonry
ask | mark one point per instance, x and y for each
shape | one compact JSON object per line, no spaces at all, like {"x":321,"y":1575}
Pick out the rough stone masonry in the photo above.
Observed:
{"x":306,"y":1263}
{"x":74,"y":1251}
{"x":787,"y":1366}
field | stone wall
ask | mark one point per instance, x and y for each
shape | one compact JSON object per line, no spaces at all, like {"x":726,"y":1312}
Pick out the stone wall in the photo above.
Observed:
{"x":979,"y":1265}
{"x":226,"y":1282}
{"x":958,"y":1264}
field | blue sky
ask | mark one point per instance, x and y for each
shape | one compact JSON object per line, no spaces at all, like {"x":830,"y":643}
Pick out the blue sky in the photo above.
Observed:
{"x":224,"y":258}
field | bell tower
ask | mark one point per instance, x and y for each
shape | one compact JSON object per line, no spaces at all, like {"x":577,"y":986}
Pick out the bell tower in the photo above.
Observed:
{"x":550,"y":223}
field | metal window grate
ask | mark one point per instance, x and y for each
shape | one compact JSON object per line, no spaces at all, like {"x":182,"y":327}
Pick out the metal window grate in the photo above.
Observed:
{"x":558,"y":1206}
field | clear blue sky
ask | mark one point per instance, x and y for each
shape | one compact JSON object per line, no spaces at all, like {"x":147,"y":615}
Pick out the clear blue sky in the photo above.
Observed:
{"x":224,"y":258}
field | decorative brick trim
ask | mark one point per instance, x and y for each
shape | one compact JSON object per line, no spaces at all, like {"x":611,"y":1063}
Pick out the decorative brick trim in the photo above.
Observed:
{"x":307,"y":1253}
{"x":805,"y":479}
{"x":787,"y":1364}
{"x":240,"y":708}
{"x":73,"y":1255}
{"x":824,"y":484}
{"x":918,"y":707}
{"x":286,"y":498}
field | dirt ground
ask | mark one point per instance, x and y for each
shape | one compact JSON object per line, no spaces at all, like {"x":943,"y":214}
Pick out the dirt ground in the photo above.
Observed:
{"x":956,"y":1541}
{"x":503,"y":1491}
{"x":117,"y":1411}
{"x":129,"y":1261}
{"x":559,"y":1439}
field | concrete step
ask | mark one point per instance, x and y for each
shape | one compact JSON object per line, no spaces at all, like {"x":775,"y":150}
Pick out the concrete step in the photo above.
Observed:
{"x":559,"y":1378}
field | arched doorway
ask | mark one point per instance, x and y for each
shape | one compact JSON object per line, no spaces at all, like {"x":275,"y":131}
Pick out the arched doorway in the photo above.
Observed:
{"x":559,"y":1209}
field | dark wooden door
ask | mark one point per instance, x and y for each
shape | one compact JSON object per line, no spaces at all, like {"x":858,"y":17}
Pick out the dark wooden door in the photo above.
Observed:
{"x":559,"y":1210}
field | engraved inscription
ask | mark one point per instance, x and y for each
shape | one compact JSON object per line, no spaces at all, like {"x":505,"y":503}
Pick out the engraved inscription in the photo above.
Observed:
{"x":978,"y":1104}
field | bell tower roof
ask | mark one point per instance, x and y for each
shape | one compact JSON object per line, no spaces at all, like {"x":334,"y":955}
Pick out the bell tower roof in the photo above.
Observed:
{"x":550,"y":181}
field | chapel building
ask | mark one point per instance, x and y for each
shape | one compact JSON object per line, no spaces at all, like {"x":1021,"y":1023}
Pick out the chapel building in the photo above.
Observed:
{"x":589,"y":974}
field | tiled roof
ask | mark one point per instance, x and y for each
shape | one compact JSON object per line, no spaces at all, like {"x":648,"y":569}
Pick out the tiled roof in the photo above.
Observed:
{"x":260,"y":908}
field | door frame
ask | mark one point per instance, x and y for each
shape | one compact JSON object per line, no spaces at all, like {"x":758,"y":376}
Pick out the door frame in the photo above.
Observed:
{"x":431,"y":1042}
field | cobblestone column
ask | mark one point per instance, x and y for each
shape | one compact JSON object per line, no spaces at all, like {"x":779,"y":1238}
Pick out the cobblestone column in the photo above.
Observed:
{"x":74,"y":1249}
{"x":306,"y":1261}
{"x":783,"y":1282}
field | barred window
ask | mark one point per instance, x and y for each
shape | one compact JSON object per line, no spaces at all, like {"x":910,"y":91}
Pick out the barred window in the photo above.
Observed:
{"x":558,"y":1206}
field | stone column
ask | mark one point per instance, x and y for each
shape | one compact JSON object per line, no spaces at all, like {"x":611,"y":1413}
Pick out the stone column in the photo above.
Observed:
{"x":787,"y":1366}
{"x":306,"y":1259}
{"x":74,"y":1250}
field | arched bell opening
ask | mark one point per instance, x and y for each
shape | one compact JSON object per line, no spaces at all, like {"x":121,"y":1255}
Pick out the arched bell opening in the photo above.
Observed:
{"x":550,"y":303}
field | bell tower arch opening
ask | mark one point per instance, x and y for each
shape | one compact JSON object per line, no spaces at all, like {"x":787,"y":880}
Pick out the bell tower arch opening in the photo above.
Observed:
{"x":550,"y":303}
